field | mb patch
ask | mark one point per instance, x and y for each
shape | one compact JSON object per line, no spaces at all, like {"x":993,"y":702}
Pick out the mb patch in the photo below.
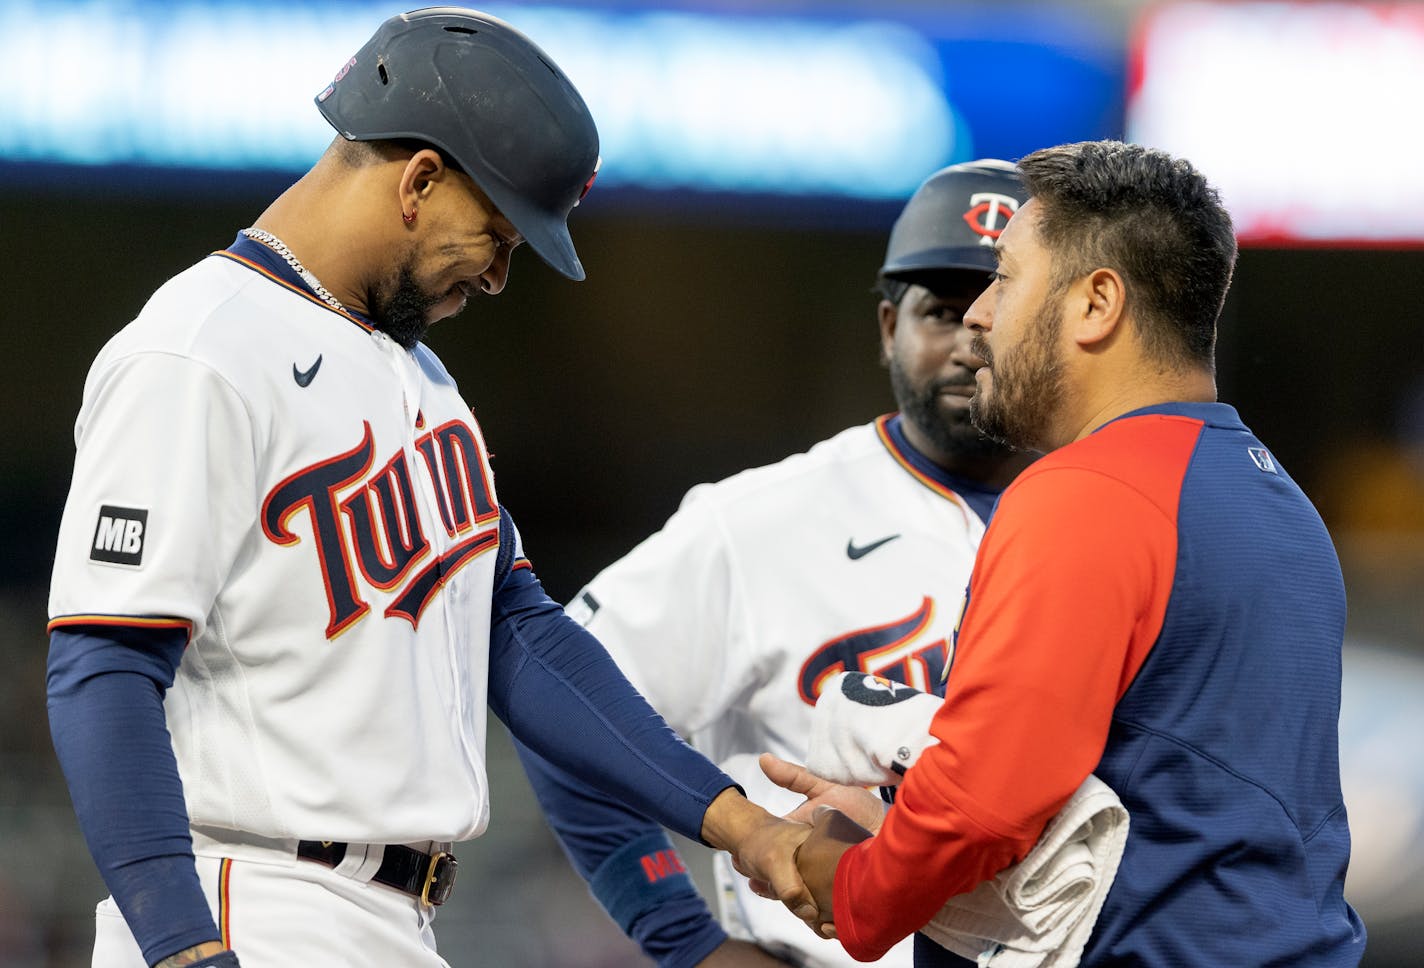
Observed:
{"x":119,"y":534}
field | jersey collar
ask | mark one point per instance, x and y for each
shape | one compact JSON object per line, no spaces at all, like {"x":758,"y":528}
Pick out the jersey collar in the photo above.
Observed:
{"x":257,"y":257}
{"x":1221,"y":415}
{"x":952,"y":487}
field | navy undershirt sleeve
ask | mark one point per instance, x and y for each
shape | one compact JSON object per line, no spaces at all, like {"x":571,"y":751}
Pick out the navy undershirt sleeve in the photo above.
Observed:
{"x":106,"y":687}
{"x":560,"y":694}
{"x":631,"y":867}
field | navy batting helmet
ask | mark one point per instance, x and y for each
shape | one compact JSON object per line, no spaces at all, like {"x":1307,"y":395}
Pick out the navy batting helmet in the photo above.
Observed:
{"x":952,"y":220}
{"x":480,"y":91}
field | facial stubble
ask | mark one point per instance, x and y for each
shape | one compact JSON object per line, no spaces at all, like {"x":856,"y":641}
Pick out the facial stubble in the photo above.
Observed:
{"x":1027,"y":383}
{"x":402,"y":310}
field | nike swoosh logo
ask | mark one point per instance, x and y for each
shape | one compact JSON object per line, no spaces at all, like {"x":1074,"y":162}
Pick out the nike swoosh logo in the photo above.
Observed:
{"x":304,"y":377}
{"x":854,"y":552}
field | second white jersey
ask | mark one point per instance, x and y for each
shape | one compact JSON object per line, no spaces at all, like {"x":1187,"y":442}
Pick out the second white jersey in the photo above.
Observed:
{"x":763,"y":585}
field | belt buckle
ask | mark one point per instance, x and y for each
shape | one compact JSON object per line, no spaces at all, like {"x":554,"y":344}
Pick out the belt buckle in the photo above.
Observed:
{"x":439,"y":879}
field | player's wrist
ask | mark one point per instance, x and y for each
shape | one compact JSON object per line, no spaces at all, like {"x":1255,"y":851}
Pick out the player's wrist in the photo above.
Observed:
{"x":730,"y":817}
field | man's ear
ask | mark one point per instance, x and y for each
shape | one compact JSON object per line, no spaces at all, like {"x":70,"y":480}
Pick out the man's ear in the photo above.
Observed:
{"x":424,"y":168}
{"x":1099,"y":304}
{"x":889,"y":317}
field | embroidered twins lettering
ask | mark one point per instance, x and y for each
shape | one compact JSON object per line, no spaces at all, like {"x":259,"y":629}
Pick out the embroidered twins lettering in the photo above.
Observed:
{"x":369,"y":523}
{"x":893,"y":650}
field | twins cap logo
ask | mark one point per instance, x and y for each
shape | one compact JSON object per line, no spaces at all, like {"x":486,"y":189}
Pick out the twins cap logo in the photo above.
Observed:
{"x":118,"y":537}
{"x":988,"y":213}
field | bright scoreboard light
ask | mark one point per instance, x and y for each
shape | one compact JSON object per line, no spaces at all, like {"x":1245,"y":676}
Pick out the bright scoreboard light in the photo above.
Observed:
{"x":859,"y":104}
{"x":1308,"y":116}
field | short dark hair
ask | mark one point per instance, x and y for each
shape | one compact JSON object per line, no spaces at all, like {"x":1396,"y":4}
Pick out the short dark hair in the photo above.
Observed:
{"x":1152,"y":218}
{"x":358,"y":154}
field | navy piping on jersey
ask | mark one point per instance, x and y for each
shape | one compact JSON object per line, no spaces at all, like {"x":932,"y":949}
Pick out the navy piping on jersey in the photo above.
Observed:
{"x":978,"y":497}
{"x":254,"y":255}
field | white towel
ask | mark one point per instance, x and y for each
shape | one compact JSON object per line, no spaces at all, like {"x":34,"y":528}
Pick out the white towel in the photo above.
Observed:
{"x":1039,"y":912}
{"x":1035,"y":914}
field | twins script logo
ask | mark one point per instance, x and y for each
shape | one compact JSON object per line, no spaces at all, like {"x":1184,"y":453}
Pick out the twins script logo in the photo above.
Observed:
{"x":369,"y":522}
{"x":988,"y":213}
{"x":893,"y":651}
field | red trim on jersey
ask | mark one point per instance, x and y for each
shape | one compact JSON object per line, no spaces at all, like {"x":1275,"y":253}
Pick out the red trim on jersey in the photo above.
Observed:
{"x":521,"y":563}
{"x":486,"y":464}
{"x":121,"y":621}
{"x":295,"y":288}
{"x":1066,"y":600}
{"x":881,"y":431}
{"x":921,"y":616}
{"x":225,"y":902}
{"x":443,"y":568}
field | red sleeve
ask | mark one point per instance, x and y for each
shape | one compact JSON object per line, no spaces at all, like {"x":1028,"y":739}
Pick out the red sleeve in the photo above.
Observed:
{"x":1067,"y":597}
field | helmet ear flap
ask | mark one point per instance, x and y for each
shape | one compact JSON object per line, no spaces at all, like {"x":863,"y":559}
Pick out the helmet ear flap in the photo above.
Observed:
{"x":952,"y":220}
{"x":493,"y":103}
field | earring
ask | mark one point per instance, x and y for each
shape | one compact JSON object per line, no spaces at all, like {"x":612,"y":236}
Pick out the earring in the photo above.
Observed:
{"x":407,"y":219}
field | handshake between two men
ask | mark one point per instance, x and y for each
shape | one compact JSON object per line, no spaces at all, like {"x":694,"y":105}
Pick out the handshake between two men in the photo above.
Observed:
{"x":865,"y":731}
{"x":795,"y":860}
{"x":1040,"y":909}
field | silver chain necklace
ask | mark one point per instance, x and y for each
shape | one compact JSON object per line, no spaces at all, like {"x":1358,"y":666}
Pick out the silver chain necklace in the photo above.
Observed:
{"x":280,"y":247}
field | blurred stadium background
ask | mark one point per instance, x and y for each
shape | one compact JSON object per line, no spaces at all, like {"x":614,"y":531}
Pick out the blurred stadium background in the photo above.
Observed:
{"x":755,"y":154}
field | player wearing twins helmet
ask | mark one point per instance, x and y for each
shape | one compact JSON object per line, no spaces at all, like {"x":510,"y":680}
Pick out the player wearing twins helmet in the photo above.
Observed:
{"x":853,"y":555}
{"x":285,"y":589}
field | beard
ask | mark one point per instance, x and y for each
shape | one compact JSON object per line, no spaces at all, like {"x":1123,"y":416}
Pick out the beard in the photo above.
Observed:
{"x":402,"y":311}
{"x":948,"y":429}
{"x":1027,"y":384}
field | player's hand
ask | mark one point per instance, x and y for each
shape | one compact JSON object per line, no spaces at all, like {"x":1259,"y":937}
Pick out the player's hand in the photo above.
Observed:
{"x":857,"y":803}
{"x":763,"y":848}
{"x":734,"y":953}
{"x":831,"y":836}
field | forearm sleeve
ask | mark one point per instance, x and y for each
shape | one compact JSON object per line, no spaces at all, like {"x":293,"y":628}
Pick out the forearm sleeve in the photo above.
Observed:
{"x":557,"y":690}
{"x":560,"y":693}
{"x":631,"y":866}
{"x":106,"y":718}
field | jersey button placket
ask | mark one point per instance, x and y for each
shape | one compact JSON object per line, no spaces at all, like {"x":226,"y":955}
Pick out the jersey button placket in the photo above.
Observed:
{"x":408,"y":376}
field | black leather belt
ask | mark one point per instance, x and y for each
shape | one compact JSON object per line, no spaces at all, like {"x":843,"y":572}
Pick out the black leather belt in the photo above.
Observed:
{"x":430,"y":877}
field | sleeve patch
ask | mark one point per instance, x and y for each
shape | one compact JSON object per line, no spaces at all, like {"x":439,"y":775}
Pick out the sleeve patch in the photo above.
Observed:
{"x":639,"y":877}
{"x":119,"y":535}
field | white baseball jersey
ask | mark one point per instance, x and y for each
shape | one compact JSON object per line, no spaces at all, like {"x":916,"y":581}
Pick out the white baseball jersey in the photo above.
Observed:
{"x":315,"y":504}
{"x":762,"y":586}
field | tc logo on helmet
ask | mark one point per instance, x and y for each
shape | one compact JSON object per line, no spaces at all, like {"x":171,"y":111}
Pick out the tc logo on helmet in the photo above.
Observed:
{"x":988,"y":213}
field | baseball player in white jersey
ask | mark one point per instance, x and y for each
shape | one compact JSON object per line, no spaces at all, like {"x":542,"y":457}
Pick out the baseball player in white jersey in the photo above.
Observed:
{"x":851,"y":556}
{"x":285,"y":591}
